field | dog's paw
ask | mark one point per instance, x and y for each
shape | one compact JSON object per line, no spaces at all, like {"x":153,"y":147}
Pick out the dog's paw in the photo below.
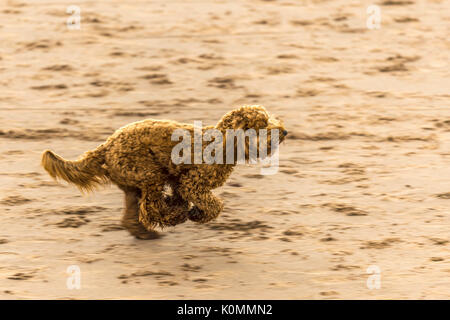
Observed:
{"x":139,"y":231}
{"x":196,"y":215}
{"x":147,"y":235}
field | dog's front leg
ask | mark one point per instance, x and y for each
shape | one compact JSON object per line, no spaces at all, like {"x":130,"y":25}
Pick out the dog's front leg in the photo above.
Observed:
{"x":206,"y":205}
{"x":195,"y":186}
{"x":155,"y":210}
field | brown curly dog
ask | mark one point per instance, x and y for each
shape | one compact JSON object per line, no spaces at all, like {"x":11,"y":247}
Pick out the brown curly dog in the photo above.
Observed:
{"x":159,"y":192}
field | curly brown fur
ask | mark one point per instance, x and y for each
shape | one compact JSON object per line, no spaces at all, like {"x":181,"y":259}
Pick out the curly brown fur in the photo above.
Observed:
{"x":85,"y":173}
{"x":137,"y":158}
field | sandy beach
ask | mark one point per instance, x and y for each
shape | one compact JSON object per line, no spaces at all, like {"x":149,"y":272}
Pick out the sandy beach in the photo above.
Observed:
{"x":364,"y":173}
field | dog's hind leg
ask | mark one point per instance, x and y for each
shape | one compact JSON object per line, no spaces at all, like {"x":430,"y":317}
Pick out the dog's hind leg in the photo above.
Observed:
{"x":130,"y":218}
{"x":155,"y":210}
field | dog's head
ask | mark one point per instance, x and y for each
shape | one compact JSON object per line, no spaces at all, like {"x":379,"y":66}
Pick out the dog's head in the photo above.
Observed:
{"x":255,"y":119}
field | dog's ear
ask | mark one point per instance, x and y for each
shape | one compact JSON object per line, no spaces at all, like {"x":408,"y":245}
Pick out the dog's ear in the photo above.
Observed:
{"x":246,"y":117}
{"x":229,"y":120}
{"x":253,"y":117}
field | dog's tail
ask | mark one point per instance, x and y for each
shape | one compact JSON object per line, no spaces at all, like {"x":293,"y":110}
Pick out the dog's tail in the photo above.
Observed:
{"x":87,"y":173}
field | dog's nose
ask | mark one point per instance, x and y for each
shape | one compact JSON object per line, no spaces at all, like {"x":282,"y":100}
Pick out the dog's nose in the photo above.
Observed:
{"x":285,"y":132}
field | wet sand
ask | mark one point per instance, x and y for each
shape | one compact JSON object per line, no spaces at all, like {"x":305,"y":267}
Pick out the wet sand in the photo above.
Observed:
{"x":363,"y":177}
